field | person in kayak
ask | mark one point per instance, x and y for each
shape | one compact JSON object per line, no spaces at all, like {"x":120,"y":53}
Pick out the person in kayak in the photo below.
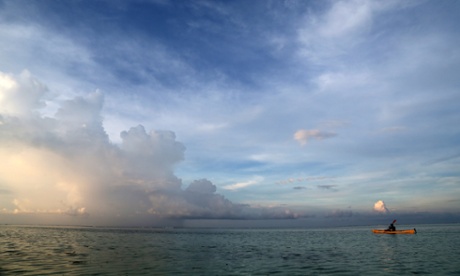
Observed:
{"x":392,"y":227}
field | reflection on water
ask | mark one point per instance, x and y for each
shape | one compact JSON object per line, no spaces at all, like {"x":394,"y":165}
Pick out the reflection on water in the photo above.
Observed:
{"x":343,"y":251}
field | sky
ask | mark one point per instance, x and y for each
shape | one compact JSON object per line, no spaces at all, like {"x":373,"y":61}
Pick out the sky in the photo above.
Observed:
{"x":229,"y":113}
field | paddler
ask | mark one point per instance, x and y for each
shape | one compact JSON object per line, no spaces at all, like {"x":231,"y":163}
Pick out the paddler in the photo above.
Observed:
{"x":392,"y":227}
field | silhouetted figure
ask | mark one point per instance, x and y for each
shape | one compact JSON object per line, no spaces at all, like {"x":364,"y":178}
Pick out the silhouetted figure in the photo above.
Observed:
{"x":392,"y":227}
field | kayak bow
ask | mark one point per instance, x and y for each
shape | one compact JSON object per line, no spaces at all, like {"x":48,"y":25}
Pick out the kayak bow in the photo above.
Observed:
{"x":406,"y":231}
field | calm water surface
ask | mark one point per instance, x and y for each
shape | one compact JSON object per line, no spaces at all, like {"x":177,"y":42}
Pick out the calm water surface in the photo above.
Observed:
{"x":338,"y":251}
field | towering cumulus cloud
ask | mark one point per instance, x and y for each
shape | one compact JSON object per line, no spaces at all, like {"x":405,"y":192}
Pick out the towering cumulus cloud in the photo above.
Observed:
{"x":380,"y":207}
{"x":66,"y":164}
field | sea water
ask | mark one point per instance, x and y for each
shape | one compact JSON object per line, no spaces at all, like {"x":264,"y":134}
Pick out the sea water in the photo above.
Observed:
{"x":26,"y":250}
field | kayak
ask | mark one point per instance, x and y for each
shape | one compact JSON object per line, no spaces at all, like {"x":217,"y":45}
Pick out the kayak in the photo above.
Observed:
{"x":406,"y":231}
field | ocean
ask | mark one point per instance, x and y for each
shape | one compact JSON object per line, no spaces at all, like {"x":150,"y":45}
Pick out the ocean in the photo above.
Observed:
{"x":27,"y":250}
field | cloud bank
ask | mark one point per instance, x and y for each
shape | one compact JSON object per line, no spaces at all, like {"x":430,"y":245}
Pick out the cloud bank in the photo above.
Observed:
{"x":67,"y":165}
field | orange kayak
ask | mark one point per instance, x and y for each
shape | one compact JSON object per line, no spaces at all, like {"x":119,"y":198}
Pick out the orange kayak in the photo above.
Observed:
{"x":407,"y":231}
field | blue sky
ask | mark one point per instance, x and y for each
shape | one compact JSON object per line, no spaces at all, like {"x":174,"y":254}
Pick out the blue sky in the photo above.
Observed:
{"x":133,"y":112}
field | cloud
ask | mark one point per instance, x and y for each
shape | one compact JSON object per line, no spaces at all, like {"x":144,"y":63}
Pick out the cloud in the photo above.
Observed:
{"x":200,"y":194}
{"x":303,"y":179}
{"x":66,"y":164}
{"x":346,"y":17}
{"x":342,"y":27}
{"x":239,"y":185}
{"x":340,"y":214}
{"x":4,"y":191}
{"x":380,"y":207}
{"x":304,"y":135}
{"x":202,"y":186}
{"x":326,"y":187}
{"x":21,"y":95}
{"x":299,"y":188}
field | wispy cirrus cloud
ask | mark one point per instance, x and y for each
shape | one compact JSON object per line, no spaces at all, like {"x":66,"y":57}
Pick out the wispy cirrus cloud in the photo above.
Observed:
{"x":254,"y":181}
{"x":340,"y":29}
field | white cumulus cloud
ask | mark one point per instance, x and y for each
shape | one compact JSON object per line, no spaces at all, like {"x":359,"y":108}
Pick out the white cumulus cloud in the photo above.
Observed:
{"x":380,"y":207}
